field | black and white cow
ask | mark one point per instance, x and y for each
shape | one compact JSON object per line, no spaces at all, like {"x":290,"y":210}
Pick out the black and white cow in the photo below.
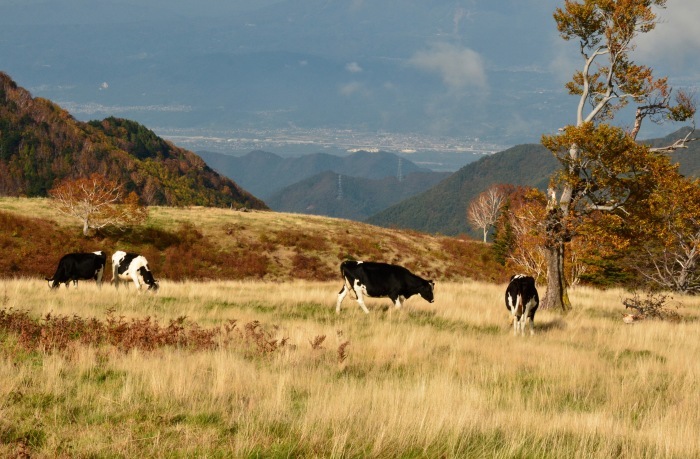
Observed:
{"x":75,"y":266}
{"x":381,"y":280}
{"x":134,"y":267}
{"x":522,"y":301}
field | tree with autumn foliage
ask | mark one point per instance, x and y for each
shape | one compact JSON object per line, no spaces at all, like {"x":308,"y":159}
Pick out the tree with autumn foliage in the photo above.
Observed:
{"x":519,"y":229}
{"x":669,"y":258}
{"x":98,"y":202}
{"x":603,"y":169}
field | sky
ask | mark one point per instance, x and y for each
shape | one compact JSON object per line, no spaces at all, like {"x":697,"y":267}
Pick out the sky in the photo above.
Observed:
{"x":462,"y":69}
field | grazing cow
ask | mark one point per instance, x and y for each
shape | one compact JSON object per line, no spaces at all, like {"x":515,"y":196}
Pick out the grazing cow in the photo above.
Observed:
{"x":522,"y":301}
{"x":132,"y":266}
{"x":74,"y":266}
{"x":381,"y":280}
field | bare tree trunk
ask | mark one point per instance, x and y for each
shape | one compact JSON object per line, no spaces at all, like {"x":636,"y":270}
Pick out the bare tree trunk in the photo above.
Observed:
{"x":557,"y":296}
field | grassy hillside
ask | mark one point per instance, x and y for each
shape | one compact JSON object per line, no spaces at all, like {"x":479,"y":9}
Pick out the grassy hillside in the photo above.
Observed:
{"x":267,"y":369}
{"x":214,"y":243}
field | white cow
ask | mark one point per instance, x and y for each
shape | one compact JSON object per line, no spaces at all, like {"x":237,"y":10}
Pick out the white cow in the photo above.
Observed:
{"x":134,"y":267}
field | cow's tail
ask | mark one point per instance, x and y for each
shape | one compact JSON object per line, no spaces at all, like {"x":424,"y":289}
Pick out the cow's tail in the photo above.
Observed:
{"x":519,"y":304}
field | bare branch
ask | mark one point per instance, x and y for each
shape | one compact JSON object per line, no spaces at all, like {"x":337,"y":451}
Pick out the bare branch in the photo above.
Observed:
{"x":97,"y":202}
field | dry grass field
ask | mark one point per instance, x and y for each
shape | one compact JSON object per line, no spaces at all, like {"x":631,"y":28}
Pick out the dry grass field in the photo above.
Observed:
{"x":287,"y":377}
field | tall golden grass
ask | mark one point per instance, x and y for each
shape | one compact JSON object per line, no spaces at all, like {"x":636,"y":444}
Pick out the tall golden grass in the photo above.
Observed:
{"x":447,"y":379}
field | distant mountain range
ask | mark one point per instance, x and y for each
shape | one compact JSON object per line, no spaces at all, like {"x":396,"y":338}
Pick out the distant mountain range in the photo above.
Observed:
{"x":344,"y":196}
{"x":42,"y":144}
{"x":442,"y":209}
{"x":264,"y":174}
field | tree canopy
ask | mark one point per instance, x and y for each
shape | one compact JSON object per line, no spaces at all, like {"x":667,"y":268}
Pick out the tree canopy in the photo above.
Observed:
{"x":603,"y":169}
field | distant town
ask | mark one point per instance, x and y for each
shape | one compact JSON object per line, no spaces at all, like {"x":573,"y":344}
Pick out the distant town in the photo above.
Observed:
{"x":294,"y":141}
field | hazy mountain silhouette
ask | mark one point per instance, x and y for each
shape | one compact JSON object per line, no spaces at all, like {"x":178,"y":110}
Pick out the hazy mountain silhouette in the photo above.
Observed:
{"x":265,"y":173}
{"x":343,"y":196}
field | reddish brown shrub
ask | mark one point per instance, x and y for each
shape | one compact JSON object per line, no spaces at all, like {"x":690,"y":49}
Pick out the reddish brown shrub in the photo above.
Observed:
{"x":311,"y":268}
{"x":301,"y":240}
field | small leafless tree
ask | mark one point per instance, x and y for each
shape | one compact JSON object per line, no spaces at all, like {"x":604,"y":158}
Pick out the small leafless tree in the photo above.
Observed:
{"x":484,"y":209}
{"x":98,"y":202}
{"x":529,"y":253}
{"x":674,"y":265}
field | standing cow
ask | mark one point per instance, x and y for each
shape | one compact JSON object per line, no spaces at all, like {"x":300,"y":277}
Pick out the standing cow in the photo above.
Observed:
{"x":381,"y":280}
{"x":132,"y":267}
{"x":75,"y":266}
{"x":522,"y":301}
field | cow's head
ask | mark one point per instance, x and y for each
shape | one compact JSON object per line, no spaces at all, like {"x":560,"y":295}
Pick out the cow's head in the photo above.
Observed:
{"x":52,"y":283}
{"x":426,"y":291}
{"x":148,"y":278}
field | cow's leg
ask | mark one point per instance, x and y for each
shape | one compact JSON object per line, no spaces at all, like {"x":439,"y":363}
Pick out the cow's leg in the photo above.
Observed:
{"x":526,"y":316}
{"x":398,"y":302}
{"x":341,"y":296}
{"x":360,"y":301}
{"x":135,"y":278}
{"x":519,"y":306}
{"x":115,"y":277}
{"x":512,"y":307}
{"x":98,"y":277}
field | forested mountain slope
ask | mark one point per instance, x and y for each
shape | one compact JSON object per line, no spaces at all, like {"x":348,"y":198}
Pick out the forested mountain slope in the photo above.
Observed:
{"x":41,"y":144}
{"x":442,"y":209}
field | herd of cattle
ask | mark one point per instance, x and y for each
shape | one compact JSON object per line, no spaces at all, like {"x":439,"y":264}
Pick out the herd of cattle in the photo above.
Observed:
{"x":377,"y":280}
{"x":125,"y":267}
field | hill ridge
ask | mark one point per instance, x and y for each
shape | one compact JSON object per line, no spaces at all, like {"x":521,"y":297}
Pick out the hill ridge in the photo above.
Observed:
{"x":442,"y":209}
{"x":42,"y":144}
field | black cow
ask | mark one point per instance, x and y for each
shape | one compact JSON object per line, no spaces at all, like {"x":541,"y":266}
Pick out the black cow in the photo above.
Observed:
{"x":381,"y":280}
{"x":75,"y":266}
{"x":522,"y":301}
{"x":134,"y":267}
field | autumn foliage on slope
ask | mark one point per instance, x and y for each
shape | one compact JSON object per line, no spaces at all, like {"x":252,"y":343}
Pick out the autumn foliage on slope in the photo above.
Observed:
{"x":220,"y":244}
{"x":41,"y":144}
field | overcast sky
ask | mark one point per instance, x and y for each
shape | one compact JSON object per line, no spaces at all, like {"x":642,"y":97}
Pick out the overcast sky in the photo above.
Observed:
{"x":457,"y":67}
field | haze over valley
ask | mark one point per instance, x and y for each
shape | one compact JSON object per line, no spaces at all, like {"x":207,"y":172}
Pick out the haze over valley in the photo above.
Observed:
{"x":298,"y":77}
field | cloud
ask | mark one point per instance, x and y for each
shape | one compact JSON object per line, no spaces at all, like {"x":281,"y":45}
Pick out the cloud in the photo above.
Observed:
{"x":670,"y":49}
{"x":351,"y":88}
{"x":353,"y":67}
{"x":676,"y":37}
{"x":459,"y":67}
